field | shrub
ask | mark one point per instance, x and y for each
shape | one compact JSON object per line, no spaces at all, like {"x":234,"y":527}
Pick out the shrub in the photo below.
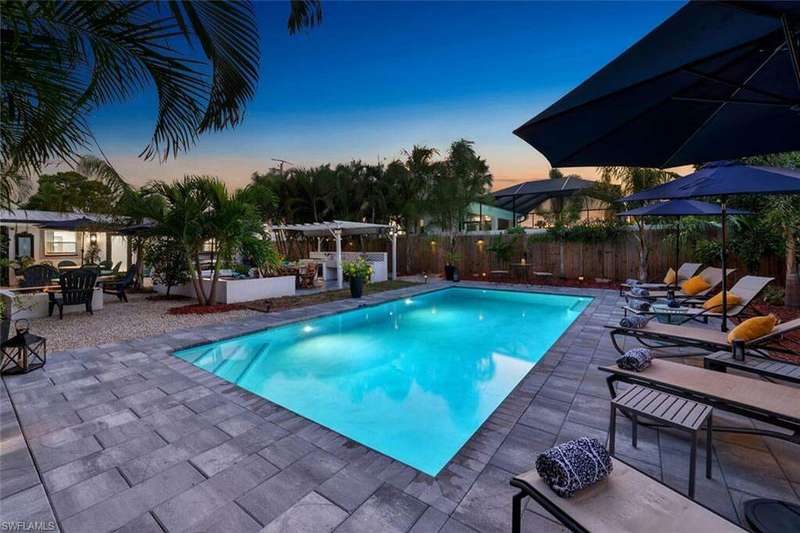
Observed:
{"x":169,"y":262}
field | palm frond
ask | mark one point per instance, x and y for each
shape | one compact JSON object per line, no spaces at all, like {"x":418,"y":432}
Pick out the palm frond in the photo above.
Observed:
{"x":304,"y":14}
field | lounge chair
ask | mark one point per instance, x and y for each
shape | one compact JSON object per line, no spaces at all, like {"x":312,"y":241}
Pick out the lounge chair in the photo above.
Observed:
{"x":117,"y":287}
{"x":685,"y":271}
{"x":627,"y":501}
{"x":712,"y":275}
{"x":661,"y":336}
{"x":771,"y":403}
{"x":746,"y":288}
{"x":66,"y":263}
{"x":77,"y":288}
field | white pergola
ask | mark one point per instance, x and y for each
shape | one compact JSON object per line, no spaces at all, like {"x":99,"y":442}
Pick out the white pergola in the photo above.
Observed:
{"x":337,"y":228}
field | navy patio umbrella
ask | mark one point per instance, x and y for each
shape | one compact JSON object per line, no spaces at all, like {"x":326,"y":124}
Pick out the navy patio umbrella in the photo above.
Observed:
{"x":680,"y":208}
{"x":723,"y":179}
{"x":717,"y":80}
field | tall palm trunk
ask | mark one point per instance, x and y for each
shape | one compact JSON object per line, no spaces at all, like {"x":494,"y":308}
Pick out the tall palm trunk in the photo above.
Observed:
{"x":196,"y":273}
{"x":644,"y":251}
{"x":791,"y":296}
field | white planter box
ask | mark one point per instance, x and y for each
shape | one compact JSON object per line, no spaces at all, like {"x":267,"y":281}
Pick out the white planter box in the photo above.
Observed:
{"x":231,"y":291}
{"x":34,"y":304}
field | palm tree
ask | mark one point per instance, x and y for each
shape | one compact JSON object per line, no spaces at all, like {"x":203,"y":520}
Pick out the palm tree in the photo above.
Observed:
{"x":632,"y":180}
{"x":61,"y":60}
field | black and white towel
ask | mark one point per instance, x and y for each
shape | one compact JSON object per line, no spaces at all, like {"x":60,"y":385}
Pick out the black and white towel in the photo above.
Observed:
{"x":636,"y":359}
{"x":631,"y":282}
{"x":639,"y":291}
{"x":574,"y":465}
{"x":639,"y":305}
{"x":635,"y":321}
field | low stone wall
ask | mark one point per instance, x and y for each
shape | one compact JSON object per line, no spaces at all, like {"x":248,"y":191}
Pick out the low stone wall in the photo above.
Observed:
{"x":231,"y":291}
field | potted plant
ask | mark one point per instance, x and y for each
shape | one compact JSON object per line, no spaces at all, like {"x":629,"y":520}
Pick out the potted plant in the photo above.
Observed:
{"x":358,"y":272}
{"x":450,"y":268}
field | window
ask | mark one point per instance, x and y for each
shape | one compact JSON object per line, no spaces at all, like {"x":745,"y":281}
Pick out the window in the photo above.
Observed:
{"x":59,"y":242}
{"x":23,"y":245}
{"x":503,"y":223}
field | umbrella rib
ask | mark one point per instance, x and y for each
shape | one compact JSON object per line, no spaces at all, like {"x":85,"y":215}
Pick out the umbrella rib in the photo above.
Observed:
{"x":748,"y":44}
{"x":731,"y":84}
{"x":655,"y":104}
{"x":722,"y":105}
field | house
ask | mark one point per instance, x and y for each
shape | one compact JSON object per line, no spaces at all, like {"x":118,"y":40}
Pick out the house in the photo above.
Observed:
{"x":24,"y":234}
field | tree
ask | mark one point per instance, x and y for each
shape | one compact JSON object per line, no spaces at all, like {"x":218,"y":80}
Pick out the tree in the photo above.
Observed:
{"x":783,"y":212}
{"x":458,"y":181}
{"x":60,"y":61}
{"x":71,"y":191}
{"x":200,"y":209}
{"x":632,"y":180}
{"x":169,"y":262}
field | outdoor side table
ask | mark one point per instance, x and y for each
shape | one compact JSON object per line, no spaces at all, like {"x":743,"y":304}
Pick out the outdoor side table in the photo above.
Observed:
{"x":667,"y":409}
{"x":22,"y":353}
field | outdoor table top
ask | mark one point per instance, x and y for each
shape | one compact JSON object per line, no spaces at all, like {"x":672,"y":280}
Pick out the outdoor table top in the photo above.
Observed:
{"x":664,"y":407}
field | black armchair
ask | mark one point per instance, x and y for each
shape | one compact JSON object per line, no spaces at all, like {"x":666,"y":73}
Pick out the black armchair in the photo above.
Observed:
{"x":77,"y":288}
{"x":117,"y":288}
{"x":39,"y":276}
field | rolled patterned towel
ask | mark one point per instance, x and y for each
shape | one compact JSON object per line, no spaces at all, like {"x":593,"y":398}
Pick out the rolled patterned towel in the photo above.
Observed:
{"x":639,"y":291}
{"x":639,"y":305}
{"x":632,"y":282}
{"x":635,"y":321}
{"x":636,"y":359}
{"x":574,"y":465}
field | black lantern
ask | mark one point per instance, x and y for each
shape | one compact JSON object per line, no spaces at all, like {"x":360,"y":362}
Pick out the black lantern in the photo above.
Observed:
{"x":24,"y":351}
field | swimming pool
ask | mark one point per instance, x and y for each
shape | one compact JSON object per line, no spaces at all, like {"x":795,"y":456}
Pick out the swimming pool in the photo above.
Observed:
{"x":413,"y":378}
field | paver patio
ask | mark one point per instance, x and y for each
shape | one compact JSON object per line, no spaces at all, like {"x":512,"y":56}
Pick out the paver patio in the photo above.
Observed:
{"x":127,"y":437}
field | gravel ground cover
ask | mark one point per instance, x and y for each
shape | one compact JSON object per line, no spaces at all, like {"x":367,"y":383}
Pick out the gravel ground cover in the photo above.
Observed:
{"x":118,"y":321}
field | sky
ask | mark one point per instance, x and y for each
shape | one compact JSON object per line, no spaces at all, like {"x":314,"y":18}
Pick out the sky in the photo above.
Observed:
{"x":379,"y":77}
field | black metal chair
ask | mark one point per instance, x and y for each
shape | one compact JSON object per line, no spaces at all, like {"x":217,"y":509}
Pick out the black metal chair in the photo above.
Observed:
{"x":66,"y":263}
{"x":77,"y":288}
{"x":105,"y":265}
{"x":38,"y":276}
{"x":117,"y":288}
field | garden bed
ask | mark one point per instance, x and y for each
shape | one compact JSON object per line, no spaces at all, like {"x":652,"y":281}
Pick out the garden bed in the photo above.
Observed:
{"x":197,"y":309}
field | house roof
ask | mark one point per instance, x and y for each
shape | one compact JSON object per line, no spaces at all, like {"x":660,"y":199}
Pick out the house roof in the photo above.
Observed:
{"x":524,"y":197}
{"x":35,"y":216}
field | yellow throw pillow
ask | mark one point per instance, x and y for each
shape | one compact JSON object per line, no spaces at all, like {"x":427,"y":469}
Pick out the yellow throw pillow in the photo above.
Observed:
{"x":753,"y":328}
{"x":671,"y":277}
{"x":715,"y":302}
{"x":694,"y":285}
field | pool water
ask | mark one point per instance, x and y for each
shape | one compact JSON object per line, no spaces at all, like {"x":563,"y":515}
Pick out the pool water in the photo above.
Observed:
{"x":413,"y":378}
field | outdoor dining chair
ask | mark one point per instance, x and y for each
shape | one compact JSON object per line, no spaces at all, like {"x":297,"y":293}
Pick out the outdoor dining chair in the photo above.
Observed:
{"x":118,"y":287}
{"x":38,"y":276}
{"x":77,"y":288}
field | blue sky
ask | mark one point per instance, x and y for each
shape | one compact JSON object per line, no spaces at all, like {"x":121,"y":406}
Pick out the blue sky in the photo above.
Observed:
{"x":377,"y":77}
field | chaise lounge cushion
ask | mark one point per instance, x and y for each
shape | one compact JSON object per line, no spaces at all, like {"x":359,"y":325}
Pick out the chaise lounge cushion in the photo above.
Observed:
{"x":695,"y":285}
{"x":671,"y":277}
{"x":715,"y":302}
{"x":753,"y":328}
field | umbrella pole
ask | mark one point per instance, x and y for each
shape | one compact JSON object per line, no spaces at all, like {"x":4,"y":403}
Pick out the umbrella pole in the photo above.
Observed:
{"x":677,"y":252}
{"x":724,"y":271}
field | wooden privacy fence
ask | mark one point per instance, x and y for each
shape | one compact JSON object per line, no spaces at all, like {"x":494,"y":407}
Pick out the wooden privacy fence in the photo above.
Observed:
{"x":616,"y":260}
